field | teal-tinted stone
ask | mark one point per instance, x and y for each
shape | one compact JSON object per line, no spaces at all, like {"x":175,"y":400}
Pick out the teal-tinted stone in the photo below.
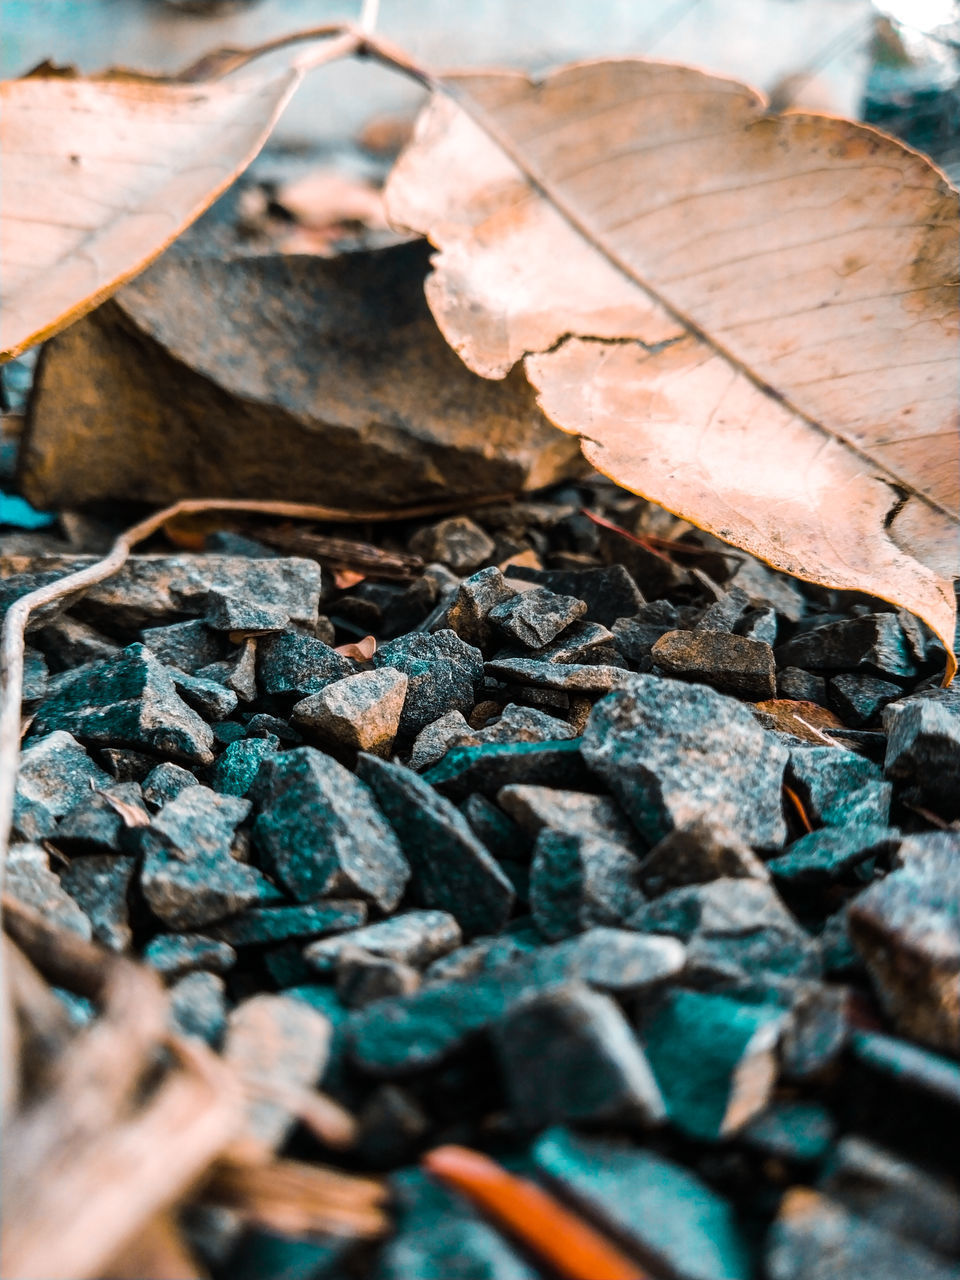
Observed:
{"x":568,"y":1053}
{"x":874,"y":643}
{"x":411,"y":938}
{"x":198,"y":1006}
{"x":286,"y":965}
{"x":227,"y":731}
{"x":35,"y":675}
{"x":226,"y":612}
{"x":198,"y":821}
{"x":319,"y":829}
{"x":797,"y":1131}
{"x":443,"y":674}
{"x":96,"y":824}
{"x":894,"y":1193}
{"x":451,"y":869}
{"x":234,"y":771}
{"x":674,"y":753}
{"x":55,"y":774}
{"x":574,"y":813}
{"x":923,"y":749}
{"x":734,"y":928}
{"x":565,"y":677}
{"x":713,"y":1059}
{"x":838,"y":788}
{"x":581,"y":880}
{"x":212,"y":699}
{"x":259,"y":926}
{"x":858,"y":699}
{"x":814,"y":1238}
{"x":608,"y":590}
{"x":410,"y":1033}
{"x":261,"y":1255}
{"x":906,"y":928}
{"x":676,"y":1224}
{"x":128,"y":701}
{"x":165,"y":782}
{"x":496,"y":830}
{"x":439,"y":1237}
{"x":827,"y":854}
{"x":291,"y":666}
{"x":908,"y":1064}
{"x":189,"y":893}
{"x":100,"y":884}
{"x":493,"y":765}
{"x":185,"y":645}
{"x":175,"y":954}
{"x":30,"y":880}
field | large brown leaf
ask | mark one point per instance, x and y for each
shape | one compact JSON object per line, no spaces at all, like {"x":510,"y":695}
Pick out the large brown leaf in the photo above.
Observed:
{"x":749,"y":318}
{"x":101,"y":173}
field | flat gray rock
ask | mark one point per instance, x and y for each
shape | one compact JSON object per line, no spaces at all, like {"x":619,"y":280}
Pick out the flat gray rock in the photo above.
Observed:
{"x":906,"y":928}
{"x":569,"y":1054}
{"x":674,"y":753}
{"x":814,"y":1238}
{"x":359,"y":713}
{"x":412,"y":937}
{"x":30,"y":880}
{"x":150,"y":590}
{"x":55,"y":774}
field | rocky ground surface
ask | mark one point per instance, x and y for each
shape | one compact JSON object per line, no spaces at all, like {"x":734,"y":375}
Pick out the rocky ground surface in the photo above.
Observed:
{"x":621,"y":857}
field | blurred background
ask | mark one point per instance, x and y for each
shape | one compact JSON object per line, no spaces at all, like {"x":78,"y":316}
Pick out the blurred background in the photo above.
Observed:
{"x":890,"y":60}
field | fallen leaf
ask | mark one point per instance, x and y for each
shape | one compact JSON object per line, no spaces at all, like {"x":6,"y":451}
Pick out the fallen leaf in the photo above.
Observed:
{"x":131,"y":815}
{"x":559,"y":1236}
{"x":344,"y":579}
{"x":100,"y":173}
{"x":749,"y":318}
{"x":362,"y":650}
{"x":806,"y":720}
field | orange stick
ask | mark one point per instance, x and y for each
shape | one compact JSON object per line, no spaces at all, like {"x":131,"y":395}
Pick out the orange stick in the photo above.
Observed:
{"x":798,"y":807}
{"x":560,"y":1237}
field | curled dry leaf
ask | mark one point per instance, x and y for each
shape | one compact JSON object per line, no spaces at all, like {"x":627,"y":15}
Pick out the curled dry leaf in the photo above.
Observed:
{"x":748,"y":318}
{"x":101,"y":173}
{"x":131,"y":815}
{"x":360,"y":650}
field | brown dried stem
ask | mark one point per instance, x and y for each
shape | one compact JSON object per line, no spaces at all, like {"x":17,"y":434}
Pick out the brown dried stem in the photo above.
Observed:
{"x":90,"y":1155}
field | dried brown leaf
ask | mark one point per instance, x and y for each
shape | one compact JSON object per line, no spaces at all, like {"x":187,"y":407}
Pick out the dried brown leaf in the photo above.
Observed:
{"x":748,"y":318}
{"x":131,"y":815}
{"x":291,"y":1197}
{"x":360,"y":650}
{"x":101,"y":173}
